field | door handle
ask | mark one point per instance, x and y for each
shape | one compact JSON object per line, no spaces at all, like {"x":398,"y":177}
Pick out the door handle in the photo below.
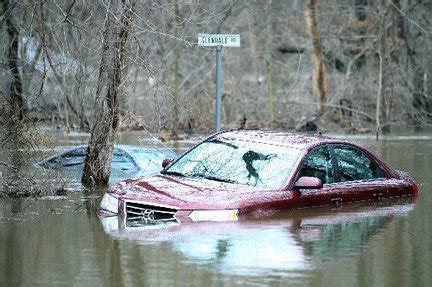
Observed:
{"x":379,"y":195}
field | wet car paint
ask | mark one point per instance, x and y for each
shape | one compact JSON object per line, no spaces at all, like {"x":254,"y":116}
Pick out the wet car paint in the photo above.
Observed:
{"x":188,"y":194}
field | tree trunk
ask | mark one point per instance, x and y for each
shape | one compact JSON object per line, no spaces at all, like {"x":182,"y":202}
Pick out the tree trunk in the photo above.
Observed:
{"x":319,"y":79}
{"x":378,"y":101}
{"x":384,"y":69}
{"x":16,"y":100}
{"x":103,"y":66}
{"x":419,"y":94}
{"x":428,"y":87}
{"x":176,"y":88}
{"x":362,"y":17}
{"x":268,"y":66}
{"x":415,"y":63}
{"x":253,"y":47}
{"x":97,"y":166}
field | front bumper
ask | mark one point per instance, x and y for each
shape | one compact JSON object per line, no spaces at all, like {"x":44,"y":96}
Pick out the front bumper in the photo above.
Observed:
{"x":132,"y":210}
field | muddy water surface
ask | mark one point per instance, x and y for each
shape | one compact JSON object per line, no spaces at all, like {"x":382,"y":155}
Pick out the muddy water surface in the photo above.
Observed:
{"x":59,"y":241}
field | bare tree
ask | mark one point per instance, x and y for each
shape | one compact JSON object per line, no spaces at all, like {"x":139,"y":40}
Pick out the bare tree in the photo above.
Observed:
{"x":319,"y":76}
{"x":172,"y":89}
{"x":384,"y":65}
{"x":16,"y":101}
{"x":415,"y":64}
{"x":176,"y":86}
{"x":268,"y":63}
{"x":97,"y":166}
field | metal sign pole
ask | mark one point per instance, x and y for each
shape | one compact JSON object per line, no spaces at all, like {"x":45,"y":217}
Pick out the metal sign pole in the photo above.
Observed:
{"x":218,"y":87}
{"x":218,"y":41}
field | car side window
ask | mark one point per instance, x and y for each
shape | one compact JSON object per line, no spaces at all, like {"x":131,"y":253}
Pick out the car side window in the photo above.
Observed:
{"x":318,"y":164}
{"x":355,"y":165}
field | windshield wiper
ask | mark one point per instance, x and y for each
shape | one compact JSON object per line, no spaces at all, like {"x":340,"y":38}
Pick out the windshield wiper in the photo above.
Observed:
{"x":217,"y":141}
{"x":215,"y":178}
{"x":174,"y":173}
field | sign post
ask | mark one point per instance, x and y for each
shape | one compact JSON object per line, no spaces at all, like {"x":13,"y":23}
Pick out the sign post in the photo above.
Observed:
{"x":218,"y":88}
{"x":218,"y":41}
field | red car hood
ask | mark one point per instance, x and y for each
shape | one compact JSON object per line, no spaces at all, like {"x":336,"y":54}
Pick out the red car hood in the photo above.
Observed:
{"x":190,"y":193}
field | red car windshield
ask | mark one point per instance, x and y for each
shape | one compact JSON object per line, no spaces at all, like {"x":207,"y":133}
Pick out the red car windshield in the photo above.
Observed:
{"x":262,"y":165}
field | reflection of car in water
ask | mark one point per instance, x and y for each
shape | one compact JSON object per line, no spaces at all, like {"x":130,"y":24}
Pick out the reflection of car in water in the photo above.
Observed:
{"x":285,"y":241}
{"x":127,"y":161}
{"x":241,"y":172}
{"x":326,"y":236}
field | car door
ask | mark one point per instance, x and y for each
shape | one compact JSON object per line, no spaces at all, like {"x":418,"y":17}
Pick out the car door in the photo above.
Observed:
{"x":317,"y":163}
{"x":358,"y":177}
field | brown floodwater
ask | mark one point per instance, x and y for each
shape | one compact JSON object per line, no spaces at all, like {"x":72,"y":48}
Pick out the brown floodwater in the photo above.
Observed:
{"x":59,"y":240}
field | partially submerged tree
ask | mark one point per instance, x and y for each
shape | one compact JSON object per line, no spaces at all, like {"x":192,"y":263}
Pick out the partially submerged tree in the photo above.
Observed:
{"x":384,"y":70}
{"x":319,"y":77}
{"x":97,"y":165}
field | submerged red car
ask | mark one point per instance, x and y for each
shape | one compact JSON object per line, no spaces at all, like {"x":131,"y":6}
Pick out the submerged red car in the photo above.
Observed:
{"x":242,"y":172}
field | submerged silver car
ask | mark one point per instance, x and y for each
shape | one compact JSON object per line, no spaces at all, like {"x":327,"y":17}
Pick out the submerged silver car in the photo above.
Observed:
{"x":128,"y":161}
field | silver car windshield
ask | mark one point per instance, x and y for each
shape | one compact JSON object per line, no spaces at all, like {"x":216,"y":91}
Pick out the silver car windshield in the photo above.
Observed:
{"x":265,"y":166}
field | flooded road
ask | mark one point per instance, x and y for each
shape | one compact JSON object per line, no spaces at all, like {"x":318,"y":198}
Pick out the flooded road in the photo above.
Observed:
{"x":58,"y":241}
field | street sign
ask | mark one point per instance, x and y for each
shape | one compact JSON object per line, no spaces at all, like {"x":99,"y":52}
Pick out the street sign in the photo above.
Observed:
{"x":219,"y":41}
{"x":222,"y":40}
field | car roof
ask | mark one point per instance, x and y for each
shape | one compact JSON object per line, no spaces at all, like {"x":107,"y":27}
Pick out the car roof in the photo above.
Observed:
{"x":127,"y":148}
{"x":123,"y":147}
{"x":144,"y":149}
{"x":287,"y":139}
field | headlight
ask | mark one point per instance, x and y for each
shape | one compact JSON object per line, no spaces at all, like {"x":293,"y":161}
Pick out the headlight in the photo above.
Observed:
{"x":110,"y":223}
{"x":214,"y":215}
{"x":109,"y":203}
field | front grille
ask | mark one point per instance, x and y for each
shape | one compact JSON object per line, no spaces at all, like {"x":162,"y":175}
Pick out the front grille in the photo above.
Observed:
{"x":137,"y":211}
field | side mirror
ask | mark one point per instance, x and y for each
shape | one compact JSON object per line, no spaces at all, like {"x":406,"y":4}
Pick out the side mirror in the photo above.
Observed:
{"x":308,"y":182}
{"x":166,"y":162}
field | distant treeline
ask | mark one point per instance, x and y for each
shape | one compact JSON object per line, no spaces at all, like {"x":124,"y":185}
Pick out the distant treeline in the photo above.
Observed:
{"x":356,"y":65}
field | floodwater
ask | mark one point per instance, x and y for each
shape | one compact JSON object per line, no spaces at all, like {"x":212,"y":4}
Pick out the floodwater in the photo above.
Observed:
{"x":56,"y":241}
